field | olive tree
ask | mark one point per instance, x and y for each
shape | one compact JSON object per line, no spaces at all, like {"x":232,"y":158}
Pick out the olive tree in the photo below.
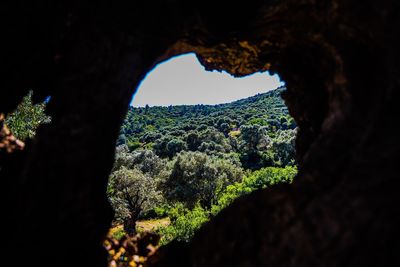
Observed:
{"x":254,"y":140}
{"x":132,"y":193}
{"x":123,"y":158}
{"x":284,"y":147}
{"x":148,"y":162}
{"x":197,"y":177}
{"x":254,"y":137}
{"x":169,"y":146}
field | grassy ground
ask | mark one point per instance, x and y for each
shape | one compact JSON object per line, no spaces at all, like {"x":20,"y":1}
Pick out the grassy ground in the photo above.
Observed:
{"x":151,"y":225}
{"x":144,"y":226}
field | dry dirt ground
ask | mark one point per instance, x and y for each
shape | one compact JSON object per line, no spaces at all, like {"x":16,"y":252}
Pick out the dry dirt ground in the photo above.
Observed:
{"x":145,"y":225}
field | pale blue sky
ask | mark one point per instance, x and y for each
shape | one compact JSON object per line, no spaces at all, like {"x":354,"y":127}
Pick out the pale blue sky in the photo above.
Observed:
{"x":183,"y":80}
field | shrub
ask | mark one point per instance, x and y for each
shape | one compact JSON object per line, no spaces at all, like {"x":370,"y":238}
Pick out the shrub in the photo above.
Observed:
{"x":263,"y":178}
{"x":132,"y":194}
{"x":197,"y":177}
{"x":118,"y":234}
{"x":184,"y":223}
{"x":25,"y":120}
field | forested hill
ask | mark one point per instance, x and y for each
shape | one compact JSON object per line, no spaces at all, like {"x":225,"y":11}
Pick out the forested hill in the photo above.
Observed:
{"x":144,"y":126}
{"x":189,"y":162}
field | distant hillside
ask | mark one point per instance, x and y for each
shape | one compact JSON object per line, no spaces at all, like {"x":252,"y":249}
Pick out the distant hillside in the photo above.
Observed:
{"x":263,"y":109}
{"x":188,"y":163}
{"x":211,"y":129}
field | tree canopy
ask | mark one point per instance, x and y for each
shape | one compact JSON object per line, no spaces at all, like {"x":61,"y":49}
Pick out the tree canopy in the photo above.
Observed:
{"x":256,"y":128}
{"x":189,"y":162}
{"x":24,"y":121}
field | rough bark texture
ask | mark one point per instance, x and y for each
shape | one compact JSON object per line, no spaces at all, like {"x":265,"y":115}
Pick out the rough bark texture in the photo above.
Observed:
{"x":340,"y":60}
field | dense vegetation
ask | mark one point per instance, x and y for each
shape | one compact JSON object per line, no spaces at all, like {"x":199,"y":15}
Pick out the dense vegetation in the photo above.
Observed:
{"x":189,"y":162}
{"x":256,"y":129}
{"x":26,"y":118}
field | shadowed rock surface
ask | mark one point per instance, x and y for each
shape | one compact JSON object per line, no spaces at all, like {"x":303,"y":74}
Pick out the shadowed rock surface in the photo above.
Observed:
{"x":340,"y":60}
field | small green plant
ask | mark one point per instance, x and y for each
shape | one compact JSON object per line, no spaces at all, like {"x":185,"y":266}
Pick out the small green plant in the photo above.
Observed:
{"x":184,"y":223}
{"x":25,"y":120}
{"x":118,"y":234}
{"x":263,"y":178}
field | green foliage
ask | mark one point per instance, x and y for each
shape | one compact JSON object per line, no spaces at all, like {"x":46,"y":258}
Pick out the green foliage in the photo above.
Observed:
{"x":193,"y":140}
{"x":24,"y":121}
{"x":269,"y":176}
{"x":197,"y":177}
{"x":123,"y":158}
{"x":133,"y":145}
{"x":118,"y":234}
{"x":162,"y":210}
{"x":247,"y":127}
{"x":263,"y":178}
{"x":175,"y":146}
{"x":189,"y":162}
{"x":258,"y":121}
{"x":254,"y":137}
{"x":184,"y":223}
{"x":169,"y":146}
{"x":147,"y":162}
{"x":132,"y":193}
{"x":284,"y":147}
